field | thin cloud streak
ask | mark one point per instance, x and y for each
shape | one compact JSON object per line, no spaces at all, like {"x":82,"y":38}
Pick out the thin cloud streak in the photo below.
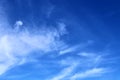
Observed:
{"x":89,"y":63}
{"x":95,"y":72}
{"x":72,"y":49}
{"x":68,"y":50}
{"x":65,"y":72}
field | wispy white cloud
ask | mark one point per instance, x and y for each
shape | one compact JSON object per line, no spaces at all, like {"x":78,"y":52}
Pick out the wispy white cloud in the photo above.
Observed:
{"x":86,"y":54}
{"x":75,"y":48}
{"x":95,"y":72}
{"x":68,"y":50}
{"x":65,"y":72}
{"x":88,"y":63}
{"x":16,"y":45}
{"x":92,"y":58}
{"x":17,"y":25}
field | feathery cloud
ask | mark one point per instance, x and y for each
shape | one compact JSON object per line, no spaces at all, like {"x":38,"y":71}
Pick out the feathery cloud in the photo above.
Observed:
{"x":86,"y":62}
{"x":95,"y":72}
{"x":16,"y":46}
{"x":65,"y":72}
{"x":68,"y":50}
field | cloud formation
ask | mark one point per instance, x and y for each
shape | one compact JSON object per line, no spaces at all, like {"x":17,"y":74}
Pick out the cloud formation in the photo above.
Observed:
{"x":16,"y":45}
{"x":65,"y":72}
{"x":95,"y":72}
{"x":87,"y":65}
{"x":68,"y":50}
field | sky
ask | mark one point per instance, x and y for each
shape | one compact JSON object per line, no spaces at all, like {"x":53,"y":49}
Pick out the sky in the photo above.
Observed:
{"x":59,"y":40}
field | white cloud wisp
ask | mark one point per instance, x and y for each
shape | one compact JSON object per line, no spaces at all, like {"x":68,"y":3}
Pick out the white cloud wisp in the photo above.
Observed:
{"x":16,"y":45}
{"x":95,"y":72}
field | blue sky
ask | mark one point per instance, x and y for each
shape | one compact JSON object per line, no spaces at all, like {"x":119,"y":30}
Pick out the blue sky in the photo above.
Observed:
{"x":59,"y":39}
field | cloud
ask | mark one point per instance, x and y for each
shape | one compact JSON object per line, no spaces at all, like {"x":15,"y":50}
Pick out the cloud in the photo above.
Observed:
{"x":95,"y":72}
{"x":86,"y":54}
{"x":73,"y":72}
{"x":75,"y":48}
{"x":92,"y":58}
{"x":19,"y":23}
{"x":16,"y":45}
{"x":65,"y":72}
{"x":68,"y":50}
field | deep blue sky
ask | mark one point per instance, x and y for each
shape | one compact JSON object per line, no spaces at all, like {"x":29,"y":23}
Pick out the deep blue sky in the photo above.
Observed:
{"x":59,"y":39}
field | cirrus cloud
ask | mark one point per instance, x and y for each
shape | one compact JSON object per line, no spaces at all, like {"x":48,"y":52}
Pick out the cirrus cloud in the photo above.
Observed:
{"x":16,"y":45}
